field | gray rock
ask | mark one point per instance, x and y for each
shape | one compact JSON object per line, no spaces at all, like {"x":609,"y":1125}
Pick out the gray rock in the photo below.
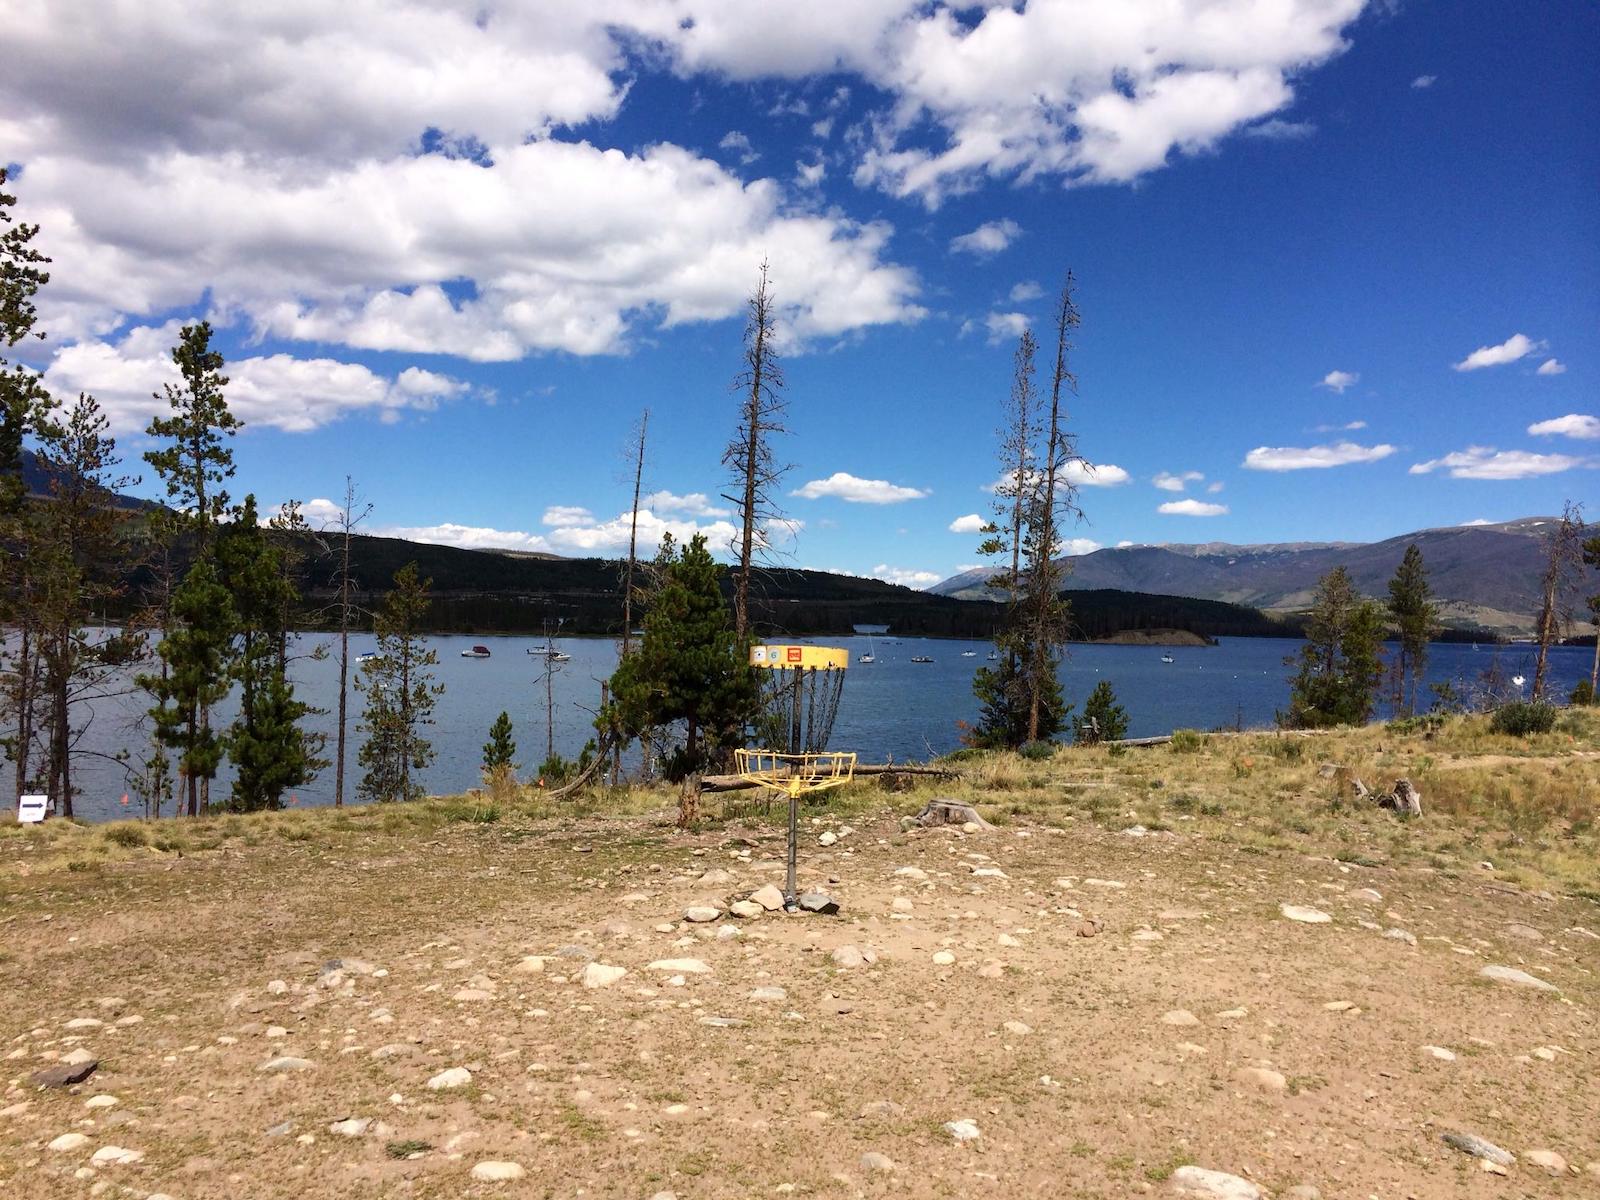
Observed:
{"x":850,"y":956}
{"x":746,"y":909}
{"x":873,"y":1161}
{"x":1471,"y":1143}
{"x":1526,"y":933}
{"x":64,"y":1074}
{"x":1515,"y":978}
{"x":701,"y":914}
{"x":281,"y":1129}
{"x":1213,"y":1185}
{"x":581,"y":953}
{"x":1401,"y":935}
{"x":497,"y":1172}
{"x":817,"y":902}
{"x":351,"y":1127}
{"x":1548,"y":1159}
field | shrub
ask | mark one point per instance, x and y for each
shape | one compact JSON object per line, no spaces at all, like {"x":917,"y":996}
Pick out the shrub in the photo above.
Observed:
{"x":126,"y":835}
{"x":1187,"y":741}
{"x":1523,"y":717}
{"x":1037,"y":751}
{"x":1103,"y":719}
{"x":1583,"y":694}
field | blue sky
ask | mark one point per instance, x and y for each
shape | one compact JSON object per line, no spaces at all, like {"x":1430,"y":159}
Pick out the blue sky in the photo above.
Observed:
{"x":1337,"y":263}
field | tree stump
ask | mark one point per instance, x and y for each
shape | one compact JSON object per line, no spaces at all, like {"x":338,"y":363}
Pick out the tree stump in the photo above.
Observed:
{"x":1405,"y":799}
{"x":949,"y":812}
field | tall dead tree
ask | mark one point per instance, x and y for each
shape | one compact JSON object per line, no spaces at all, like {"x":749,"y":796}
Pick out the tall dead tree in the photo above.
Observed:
{"x":1563,"y":561}
{"x":633,"y":536}
{"x":1047,"y":612}
{"x":351,"y":513}
{"x":749,"y":455}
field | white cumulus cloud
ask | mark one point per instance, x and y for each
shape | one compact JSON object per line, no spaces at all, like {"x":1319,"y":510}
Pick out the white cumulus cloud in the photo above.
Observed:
{"x":1551,"y":366}
{"x":1573,"y":425}
{"x":1518,"y":345}
{"x":276,"y":391}
{"x":971,"y":523}
{"x":694,"y":504}
{"x":1485,"y":462}
{"x":905,"y":576}
{"x":1192,"y":508}
{"x":1424,"y":81}
{"x":843,"y":486}
{"x":987,"y":239}
{"x":1339,"y":381}
{"x":1167,"y":481}
{"x":1303,"y":458}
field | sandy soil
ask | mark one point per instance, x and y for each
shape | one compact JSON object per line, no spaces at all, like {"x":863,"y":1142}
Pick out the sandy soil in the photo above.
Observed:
{"x":1197,"y":1024}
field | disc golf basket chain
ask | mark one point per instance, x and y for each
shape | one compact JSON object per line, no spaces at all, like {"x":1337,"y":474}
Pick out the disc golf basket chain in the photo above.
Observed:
{"x":795,"y":775}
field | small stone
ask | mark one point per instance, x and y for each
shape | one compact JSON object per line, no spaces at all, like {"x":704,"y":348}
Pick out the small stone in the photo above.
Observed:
{"x":769,"y":994}
{"x":277,"y":987}
{"x":1212,"y":1185}
{"x":901,"y":904}
{"x":1548,"y":1159}
{"x":817,"y":902}
{"x":768,"y":897}
{"x":849,"y":956}
{"x":1233,"y":1014}
{"x":943,"y":958}
{"x":1181,"y":914}
{"x":827,"y":838}
{"x":684,"y":966}
{"x":1544,"y":1053}
{"x":1515,"y":978}
{"x":1526,"y":933}
{"x":67,"y":1142}
{"x":84,"y":1023}
{"x":286,"y":1063}
{"x":532,"y":964}
{"x":497,"y":1172}
{"x":701,"y":914}
{"x":716,"y":876}
{"x":101,"y":1101}
{"x":1471,"y":1143}
{"x":1440,"y":1053}
{"x":965,"y":1130}
{"x":1401,"y":935}
{"x":115,"y":1156}
{"x":1263,"y":1078}
{"x":1303,"y":1191}
{"x":276,"y":1031}
{"x":63,"y":1074}
{"x":727,"y":933}
{"x":992,"y":969}
{"x":916,"y":873}
{"x":1339,"y":1006}
{"x":394,"y":1050}
{"x":351,"y":1127}
{"x":1367,"y":895}
{"x":1017,"y":1028}
{"x":1180,"y":1017}
{"x":873,"y":1161}
{"x":602,"y":975}
{"x":1304,"y":914}
{"x":449,"y":1079}
{"x":746,"y":909}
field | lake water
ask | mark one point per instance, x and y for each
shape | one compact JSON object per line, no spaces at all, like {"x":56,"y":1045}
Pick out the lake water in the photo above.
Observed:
{"x":890,"y":707}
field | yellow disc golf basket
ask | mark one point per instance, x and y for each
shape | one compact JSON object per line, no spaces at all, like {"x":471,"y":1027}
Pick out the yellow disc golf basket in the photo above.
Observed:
{"x":796,"y":772}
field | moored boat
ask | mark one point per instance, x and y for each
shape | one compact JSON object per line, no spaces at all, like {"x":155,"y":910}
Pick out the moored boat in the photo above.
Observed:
{"x":476,"y":652}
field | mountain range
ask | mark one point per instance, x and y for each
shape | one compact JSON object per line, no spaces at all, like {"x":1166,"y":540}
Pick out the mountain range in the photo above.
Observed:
{"x":1481,"y":575}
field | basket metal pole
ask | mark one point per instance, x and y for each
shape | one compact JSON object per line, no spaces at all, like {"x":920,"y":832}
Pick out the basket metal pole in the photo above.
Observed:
{"x":791,"y":899}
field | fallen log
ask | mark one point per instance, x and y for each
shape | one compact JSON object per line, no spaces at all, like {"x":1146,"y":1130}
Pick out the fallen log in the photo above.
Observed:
{"x":948,"y":812}
{"x":734,"y":783}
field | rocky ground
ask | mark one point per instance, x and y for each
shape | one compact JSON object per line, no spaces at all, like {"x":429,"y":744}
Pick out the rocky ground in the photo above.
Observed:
{"x":524,"y":1009}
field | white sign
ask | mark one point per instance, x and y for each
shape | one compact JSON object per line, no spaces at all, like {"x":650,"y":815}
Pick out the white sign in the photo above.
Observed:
{"x":31,"y":809}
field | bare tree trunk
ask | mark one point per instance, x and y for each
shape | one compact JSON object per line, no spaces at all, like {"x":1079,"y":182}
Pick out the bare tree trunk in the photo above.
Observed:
{"x":24,"y":702}
{"x":1066,"y":319}
{"x":627,"y":578}
{"x":1565,"y":557}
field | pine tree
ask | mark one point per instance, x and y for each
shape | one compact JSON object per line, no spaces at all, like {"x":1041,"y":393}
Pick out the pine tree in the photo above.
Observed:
{"x":24,"y":411}
{"x":1103,"y":719}
{"x":500,"y":749}
{"x":351,"y":514}
{"x":195,"y":654}
{"x":79,"y":558}
{"x":1341,"y":664}
{"x":199,"y":459}
{"x":1415,"y":617}
{"x":749,"y":455}
{"x":401,"y":693}
{"x":691,"y":668}
{"x":271,"y":750}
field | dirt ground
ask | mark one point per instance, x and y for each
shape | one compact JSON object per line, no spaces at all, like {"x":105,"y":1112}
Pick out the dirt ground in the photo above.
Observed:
{"x":1194,"y":1024}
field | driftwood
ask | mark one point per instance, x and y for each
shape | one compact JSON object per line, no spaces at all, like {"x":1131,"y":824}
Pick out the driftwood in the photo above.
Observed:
{"x":733,"y":783}
{"x":1403,"y":798}
{"x":949,"y":812}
